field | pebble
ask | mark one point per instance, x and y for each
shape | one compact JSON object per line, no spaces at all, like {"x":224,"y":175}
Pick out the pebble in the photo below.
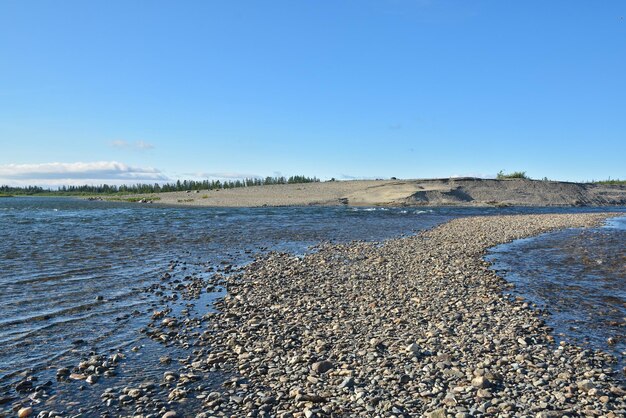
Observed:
{"x":481,"y":382}
{"x":24,"y":412}
{"x":322,"y":366}
{"x":348,"y":382}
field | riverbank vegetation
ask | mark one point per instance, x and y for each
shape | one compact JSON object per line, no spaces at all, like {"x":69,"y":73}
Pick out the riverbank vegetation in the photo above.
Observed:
{"x":178,"y":186}
{"x":514,"y":175}
{"x":522,"y":175}
{"x":615,"y":182}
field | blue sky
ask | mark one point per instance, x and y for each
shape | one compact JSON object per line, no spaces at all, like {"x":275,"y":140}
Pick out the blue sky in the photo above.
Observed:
{"x":127,"y":91}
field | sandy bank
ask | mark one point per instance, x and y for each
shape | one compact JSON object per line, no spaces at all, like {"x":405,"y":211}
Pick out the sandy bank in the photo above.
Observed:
{"x":463,"y":191}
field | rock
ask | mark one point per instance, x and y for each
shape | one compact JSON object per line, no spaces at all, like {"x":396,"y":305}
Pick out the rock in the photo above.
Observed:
{"x":438,"y":413}
{"x":481,"y":382}
{"x":483,"y":393}
{"x":585,"y":385}
{"x":176,"y":394}
{"x":310,"y":398}
{"x":169,"y":322}
{"x":24,"y":386}
{"x":24,"y":412}
{"x":321,"y":367}
{"x":413,"y":349}
{"x":170,"y":376}
{"x":63,"y":372}
{"x":348,"y":382}
{"x":170,"y":414}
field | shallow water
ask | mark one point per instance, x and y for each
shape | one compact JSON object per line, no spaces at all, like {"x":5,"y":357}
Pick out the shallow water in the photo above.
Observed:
{"x":59,"y":254}
{"x":579,"y":276}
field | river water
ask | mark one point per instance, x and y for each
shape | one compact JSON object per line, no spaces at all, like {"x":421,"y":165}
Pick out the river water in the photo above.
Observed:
{"x":579,"y":277}
{"x":73,"y":273}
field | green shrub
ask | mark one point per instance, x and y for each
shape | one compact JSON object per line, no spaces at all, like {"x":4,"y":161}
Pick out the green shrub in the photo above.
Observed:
{"x":514,"y":175}
{"x":615,"y":182}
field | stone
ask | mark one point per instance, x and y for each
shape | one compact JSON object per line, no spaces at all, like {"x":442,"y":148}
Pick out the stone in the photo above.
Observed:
{"x":321,"y":367}
{"x":348,"y":382}
{"x":176,"y":394}
{"x":437,"y":413}
{"x":481,"y":382}
{"x":24,"y":386}
{"x":63,"y":371}
{"x":24,"y":412}
{"x":413,"y":349}
{"x":585,"y":385}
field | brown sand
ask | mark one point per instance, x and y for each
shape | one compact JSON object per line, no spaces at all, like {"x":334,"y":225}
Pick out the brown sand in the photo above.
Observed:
{"x":459,"y":191}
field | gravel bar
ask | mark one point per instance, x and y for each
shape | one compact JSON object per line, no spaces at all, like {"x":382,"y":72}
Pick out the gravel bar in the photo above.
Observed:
{"x":416,"y":326}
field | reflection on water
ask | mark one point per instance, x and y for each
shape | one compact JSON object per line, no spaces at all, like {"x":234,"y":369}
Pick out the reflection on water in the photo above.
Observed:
{"x":579,"y":276}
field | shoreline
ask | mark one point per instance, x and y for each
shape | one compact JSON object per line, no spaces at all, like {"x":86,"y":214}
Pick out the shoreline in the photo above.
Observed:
{"x":452,"y":192}
{"x":413,"y":325}
{"x":411,"y":193}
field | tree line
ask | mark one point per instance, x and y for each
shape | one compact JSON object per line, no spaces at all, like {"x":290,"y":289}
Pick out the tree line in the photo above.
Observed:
{"x":178,"y":186}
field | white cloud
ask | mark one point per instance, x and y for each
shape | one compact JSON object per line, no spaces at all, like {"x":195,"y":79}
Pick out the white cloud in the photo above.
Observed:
{"x":349,"y":177}
{"x":224,"y":175}
{"x":137,"y":145}
{"x":118,"y":143}
{"x":474,"y":174}
{"x":143,"y":145}
{"x":56,"y":174}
